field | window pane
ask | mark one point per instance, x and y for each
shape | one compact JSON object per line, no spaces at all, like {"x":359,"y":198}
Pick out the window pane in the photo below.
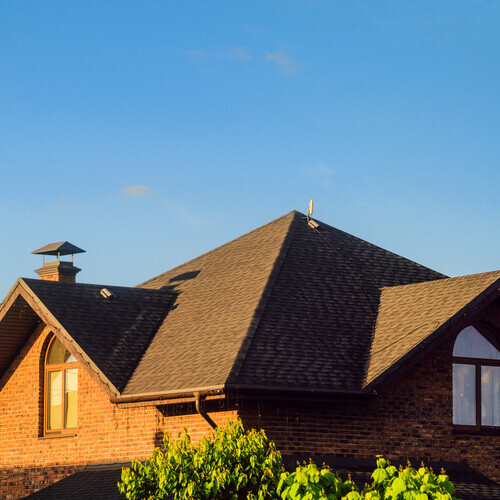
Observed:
{"x":54,"y":400}
{"x":464,"y":394}
{"x":71,"y":398}
{"x":490,"y":395}
{"x":471,"y":344}
{"x":59,"y":354}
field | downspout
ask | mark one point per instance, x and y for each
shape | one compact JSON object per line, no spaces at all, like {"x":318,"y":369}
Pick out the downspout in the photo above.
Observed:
{"x":203,"y":413}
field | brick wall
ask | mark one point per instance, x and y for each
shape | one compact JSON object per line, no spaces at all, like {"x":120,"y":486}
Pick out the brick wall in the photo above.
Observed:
{"x":105,"y":434}
{"x":411,"y":419}
{"x":20,"y":481}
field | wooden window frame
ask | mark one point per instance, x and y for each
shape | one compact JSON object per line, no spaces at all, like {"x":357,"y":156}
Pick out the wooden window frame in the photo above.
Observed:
{"x":62,"y":367}
{"x":478,"y":363}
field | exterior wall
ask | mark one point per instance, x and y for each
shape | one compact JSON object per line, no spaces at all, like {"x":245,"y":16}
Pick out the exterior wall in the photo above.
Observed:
{"x":412,"y":419}
{"x":106,"y":433}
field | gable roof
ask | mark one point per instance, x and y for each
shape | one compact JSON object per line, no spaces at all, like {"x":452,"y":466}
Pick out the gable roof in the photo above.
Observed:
{"x":411,"y":314}
{"x":109,"y":334}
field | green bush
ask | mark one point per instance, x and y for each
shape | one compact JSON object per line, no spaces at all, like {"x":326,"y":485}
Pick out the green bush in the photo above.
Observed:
{"x":310,"y":483}
{"x":229,"y":464}
{"x":389,"y":483}
{"x":236,"y":464}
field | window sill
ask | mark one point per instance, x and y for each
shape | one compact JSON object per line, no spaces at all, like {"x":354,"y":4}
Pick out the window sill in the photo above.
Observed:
{"x":56,"y":436}
{"x":466,"y":429}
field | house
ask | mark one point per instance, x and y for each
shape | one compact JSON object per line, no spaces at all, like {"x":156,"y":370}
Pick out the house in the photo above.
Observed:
{"x":337,"y":348}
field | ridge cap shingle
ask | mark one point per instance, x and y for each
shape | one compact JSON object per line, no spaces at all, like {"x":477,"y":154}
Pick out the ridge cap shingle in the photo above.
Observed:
{"x":441,"y":280}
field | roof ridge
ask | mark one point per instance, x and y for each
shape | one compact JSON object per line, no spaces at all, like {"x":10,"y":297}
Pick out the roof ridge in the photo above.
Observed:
{"x":96,"y":285}
{"x":292,"y":212}
{"x":264,"y":297}
{"x":380,"y":248}
{"x":441,"y":280}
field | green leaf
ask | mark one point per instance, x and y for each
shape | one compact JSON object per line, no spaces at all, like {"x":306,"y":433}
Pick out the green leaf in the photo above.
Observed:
{"x":379,"y":475}
{"x":398,"y":486}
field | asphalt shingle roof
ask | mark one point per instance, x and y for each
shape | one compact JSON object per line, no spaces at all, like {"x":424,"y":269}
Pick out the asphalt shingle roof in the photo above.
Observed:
{"x":219,"y":295}
{"x":113,"y":332}
{"x":88,"y":484}
{"x":286,"y":306}
{"x":410,"y":314}
{"x":317,"y":326}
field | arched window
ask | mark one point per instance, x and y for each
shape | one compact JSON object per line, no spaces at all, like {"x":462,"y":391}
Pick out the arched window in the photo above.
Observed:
{"x":61,"y":389}
{"x":476,"y":380}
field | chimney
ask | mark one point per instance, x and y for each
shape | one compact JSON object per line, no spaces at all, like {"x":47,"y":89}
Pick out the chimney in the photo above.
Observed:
{"x":58,"y":270}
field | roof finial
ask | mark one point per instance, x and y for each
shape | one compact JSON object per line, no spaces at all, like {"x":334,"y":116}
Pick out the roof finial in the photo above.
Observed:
{"x":310,"y":210}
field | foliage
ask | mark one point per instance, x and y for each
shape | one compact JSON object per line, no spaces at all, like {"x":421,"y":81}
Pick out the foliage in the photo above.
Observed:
{"x":389,"y":483}
{"x":310,"y":483}
{"x":409,"y":483}
{"x":236,"y":464}
{"x":231,"y":463}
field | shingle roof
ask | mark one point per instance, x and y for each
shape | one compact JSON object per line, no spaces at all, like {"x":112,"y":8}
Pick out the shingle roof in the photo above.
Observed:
{"x":89,"y":484}
{"x":316,"y":330}
{"x":113,"y":332}
{"x":219,"y":295}
{"x":284,"y":305}
{"x":409,"y":314}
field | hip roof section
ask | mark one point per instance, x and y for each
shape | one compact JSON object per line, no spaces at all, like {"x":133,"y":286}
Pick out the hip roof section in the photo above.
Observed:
{"x":285,"y":305}
{"x":218,"y":303}
{"x":316,"y":330}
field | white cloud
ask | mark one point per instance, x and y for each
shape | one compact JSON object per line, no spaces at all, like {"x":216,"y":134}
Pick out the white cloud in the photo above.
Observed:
{"x":285,"y":62}
{"x":136,"y":191}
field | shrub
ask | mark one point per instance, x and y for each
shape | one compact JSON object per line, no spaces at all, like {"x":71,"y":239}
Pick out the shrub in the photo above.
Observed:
{"x":236,"y":464}
{"x":310,"y":483}
{"x":389,"y":483}
{"x":231,"y":463}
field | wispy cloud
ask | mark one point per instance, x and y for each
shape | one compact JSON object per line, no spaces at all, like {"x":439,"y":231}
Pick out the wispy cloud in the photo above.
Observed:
{"x":237,"y":54}
{"x":285,"y":63}
{"x":60,"y":207}
{"x":136,"y":191}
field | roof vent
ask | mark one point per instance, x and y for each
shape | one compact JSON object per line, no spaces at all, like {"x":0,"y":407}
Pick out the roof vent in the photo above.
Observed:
{"x":312,"y":224}
{"x":58,"y":270}
{"x":107,"y":294}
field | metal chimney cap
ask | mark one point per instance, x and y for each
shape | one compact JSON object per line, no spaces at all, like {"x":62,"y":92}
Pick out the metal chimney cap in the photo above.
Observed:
{"x":61,"y":248}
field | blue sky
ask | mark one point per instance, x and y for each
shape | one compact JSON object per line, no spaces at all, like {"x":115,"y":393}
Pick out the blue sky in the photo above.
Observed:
{"x":150,"y":132}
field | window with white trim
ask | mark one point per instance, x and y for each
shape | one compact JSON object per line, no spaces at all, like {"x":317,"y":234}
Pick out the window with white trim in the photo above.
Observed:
{"x":476,"y":380}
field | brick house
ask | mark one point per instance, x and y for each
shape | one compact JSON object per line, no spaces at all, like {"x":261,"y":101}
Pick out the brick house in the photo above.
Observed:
{"x":337,"y":348}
